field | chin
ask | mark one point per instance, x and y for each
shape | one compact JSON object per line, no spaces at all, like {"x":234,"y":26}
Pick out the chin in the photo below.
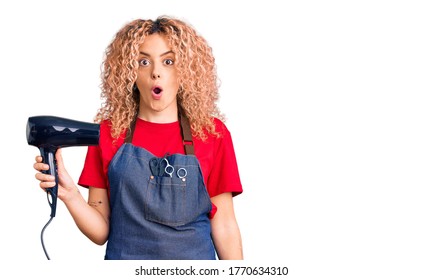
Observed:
{"x":158,"y":108}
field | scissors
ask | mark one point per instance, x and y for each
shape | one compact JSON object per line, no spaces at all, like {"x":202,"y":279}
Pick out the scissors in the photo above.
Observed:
{"x":160,"y":166}
{"x":182,"y":173}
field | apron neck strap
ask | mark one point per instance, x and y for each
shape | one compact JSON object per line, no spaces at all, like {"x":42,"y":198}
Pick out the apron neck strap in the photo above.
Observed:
{"x":185,"y":132}
{"x":130,"y":131}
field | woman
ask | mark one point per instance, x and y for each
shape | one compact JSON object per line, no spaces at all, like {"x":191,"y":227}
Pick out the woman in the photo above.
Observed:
{"x":162,"y":179}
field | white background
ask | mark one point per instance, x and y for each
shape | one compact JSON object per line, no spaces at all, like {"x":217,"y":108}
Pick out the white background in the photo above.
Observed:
{"x":324,"y":103}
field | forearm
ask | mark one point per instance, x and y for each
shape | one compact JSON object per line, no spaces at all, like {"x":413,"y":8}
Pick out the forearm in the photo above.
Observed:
{"x":88,"y":219}
{"x":225,"y":231}
{"x":228,"y":243}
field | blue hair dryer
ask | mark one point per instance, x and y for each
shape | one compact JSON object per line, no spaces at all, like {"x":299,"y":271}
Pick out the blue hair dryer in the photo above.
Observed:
{"x":49,"y":133}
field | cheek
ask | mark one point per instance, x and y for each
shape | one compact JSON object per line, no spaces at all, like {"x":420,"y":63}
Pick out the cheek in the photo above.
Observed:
{"x":141,"y":76}
{"x":174,"y":79}
{"x":141,"y":80}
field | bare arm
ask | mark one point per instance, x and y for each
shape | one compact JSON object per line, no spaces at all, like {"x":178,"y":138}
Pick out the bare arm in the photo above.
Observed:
{"x":225,"y":231}
{"x":92,"y":218}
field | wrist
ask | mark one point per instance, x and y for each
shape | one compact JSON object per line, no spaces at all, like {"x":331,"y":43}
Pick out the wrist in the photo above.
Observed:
{"x":71,"y":195}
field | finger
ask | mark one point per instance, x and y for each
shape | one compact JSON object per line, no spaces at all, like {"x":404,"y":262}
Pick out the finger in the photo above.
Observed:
{"x":39,"y":159}
{"x":46,"y":185}
{"x":41,"y":166}
{"x":59,"y":158}
{"x":61,"y":170}
{"x":44,"y":177}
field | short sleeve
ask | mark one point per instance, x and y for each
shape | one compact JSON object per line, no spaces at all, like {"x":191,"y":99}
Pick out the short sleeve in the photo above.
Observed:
{"x":92,"y":174}
{"x":224,"y":174}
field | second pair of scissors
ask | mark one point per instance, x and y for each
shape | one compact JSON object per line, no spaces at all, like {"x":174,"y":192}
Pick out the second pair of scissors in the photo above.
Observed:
{"x":169,"y":169}
{"x":158,"y":168}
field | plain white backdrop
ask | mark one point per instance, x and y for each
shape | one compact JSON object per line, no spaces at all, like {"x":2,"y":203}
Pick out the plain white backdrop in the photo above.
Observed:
{"x":323,"y":100}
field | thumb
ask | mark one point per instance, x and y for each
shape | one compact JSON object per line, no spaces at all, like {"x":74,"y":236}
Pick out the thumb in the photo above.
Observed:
{"x":59,"y":159}
{"x":64,"y":178}
{"x":61,"y":170}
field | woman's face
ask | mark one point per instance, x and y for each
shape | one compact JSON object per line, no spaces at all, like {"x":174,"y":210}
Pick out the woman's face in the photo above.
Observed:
{"x":157,"y":80}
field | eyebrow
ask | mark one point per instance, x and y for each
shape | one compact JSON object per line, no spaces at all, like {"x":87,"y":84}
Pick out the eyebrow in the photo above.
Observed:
{"x":163,"y":54}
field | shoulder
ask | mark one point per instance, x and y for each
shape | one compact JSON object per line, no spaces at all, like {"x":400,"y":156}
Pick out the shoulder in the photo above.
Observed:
{"x":106,"y":125}
{"x":220,"y":128}
{"x":219,"y":124}
{"x":106,"y":137}
{"x":221,"y":134}
{"x":105,"y":130}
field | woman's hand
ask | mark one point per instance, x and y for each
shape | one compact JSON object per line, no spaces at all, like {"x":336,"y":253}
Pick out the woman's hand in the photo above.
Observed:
{"x":92,"y":221}
{"x":67,"y":188}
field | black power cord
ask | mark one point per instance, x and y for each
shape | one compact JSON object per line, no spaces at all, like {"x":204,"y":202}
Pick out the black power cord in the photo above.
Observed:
{"x":42,"y":232}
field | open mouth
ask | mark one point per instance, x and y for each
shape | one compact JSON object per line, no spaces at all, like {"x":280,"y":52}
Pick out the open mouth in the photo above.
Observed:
{"x":157,"y":90}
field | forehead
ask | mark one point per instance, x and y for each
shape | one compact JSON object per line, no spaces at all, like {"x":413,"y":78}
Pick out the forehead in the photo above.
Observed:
{"x":155,"y":44}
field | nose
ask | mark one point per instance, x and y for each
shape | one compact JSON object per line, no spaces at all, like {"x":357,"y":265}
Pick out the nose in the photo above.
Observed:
{"x":155,"y":72}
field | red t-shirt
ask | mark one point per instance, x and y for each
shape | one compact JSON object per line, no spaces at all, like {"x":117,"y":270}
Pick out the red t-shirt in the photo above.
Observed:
{"x":216,"y":155}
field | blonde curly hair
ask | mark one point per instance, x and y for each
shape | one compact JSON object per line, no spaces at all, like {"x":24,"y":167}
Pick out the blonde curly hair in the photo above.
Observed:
{"x":198,"y":84}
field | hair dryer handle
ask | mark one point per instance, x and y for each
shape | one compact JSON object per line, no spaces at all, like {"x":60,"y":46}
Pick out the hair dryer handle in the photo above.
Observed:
{"x":49,"y":157}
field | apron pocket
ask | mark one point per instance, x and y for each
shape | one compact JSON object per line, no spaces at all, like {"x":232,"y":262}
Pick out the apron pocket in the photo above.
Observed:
{"x":167,"y":202}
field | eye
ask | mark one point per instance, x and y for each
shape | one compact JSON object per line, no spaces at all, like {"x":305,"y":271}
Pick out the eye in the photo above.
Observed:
{"x":144,"y":62}
{"x":168,"y":61}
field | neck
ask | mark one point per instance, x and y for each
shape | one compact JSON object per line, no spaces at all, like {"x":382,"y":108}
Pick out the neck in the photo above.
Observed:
{"x":167,"y":116}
